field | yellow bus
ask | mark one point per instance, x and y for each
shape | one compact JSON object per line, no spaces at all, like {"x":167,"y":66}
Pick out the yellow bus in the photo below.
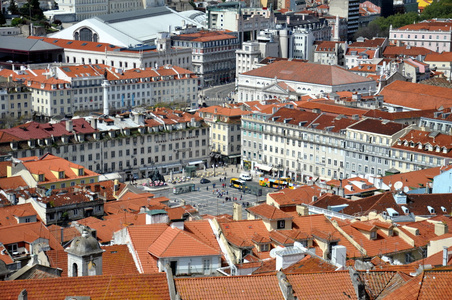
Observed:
{"x":280,"y":183}
{"x":237,"y":183}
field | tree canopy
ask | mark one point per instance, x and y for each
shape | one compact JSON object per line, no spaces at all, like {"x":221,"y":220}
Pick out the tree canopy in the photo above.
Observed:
{"x":380,"y":26}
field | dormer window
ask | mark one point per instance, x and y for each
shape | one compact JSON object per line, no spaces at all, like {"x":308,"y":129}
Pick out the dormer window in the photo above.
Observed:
{"x":41,"y":177}
{"x":373,"y":235}
{"x":281,"y":224}
{"x":81,"y":172}
{"x":264,"y":247}
{"x":61,"y":175}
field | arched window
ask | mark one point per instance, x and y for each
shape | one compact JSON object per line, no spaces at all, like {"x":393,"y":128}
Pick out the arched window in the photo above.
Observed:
{"x":74,"y":270}
{"x":95,"y":38}
{"x":76,"y":36}
{"x":86,"y":35}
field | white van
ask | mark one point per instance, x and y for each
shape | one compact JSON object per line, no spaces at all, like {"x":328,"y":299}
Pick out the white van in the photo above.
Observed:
{"x":245,"y":176}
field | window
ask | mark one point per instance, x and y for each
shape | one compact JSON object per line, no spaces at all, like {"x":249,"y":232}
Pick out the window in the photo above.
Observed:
{"x":281,"y":224}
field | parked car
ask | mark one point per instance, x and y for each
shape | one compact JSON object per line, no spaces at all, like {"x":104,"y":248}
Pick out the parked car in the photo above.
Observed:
{"x":246,"y":176}
{"x":204,"y":180}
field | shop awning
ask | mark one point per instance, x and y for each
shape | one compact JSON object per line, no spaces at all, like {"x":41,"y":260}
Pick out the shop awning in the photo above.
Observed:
{"x":195,"y":162}
{"x":264,"y":168}
{"x":235,"y":156}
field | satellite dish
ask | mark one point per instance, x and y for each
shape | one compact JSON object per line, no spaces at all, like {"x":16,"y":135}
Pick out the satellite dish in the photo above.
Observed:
{"x":398,"y":185}
{"x":406,"y":189}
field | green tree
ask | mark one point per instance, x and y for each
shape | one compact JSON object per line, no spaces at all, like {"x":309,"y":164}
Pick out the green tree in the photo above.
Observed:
{"x":17,"y":21}
{"x":439,"y":9}
{"x":13,"y":9}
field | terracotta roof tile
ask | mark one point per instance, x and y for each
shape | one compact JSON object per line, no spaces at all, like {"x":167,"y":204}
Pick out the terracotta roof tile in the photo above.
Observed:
{"x":268,"y":212}
{"x":327,"y":285}
{"x":147,"y":286}
{"x":377,"y":126}
{"x":142,"y":237}
{"x":293,"y":197}
{"x":9,"y":214}
{"x":395,"y":51}
{"x":204,"y":36}
{"x":116,"y":259}
{"x":231,"y":287}
{"x":429,"y":25}
{"x":416,"y":95}
{"x":307,"y":72}
{"x":174,"y":242}
{"x":241,"y":233}
{"x":310,"y":264}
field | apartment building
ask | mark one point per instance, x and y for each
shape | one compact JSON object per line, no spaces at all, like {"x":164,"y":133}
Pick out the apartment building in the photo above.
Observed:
{"x":440,"y":63}
{"x":308,"y":145}
{"x":68,"y":89}
{"x":133,"y":144}
{"x":435,"y":34}
{"x":329,"y":53}
{"x":225,"y":134}
{"x":246,"y":21}
{"x":87,"y":52}
{"x":348,"y":9}
{"x":365,"y":51}
{"x":15,"y":99}
{"x":213,"y":54}
{"x":295,"y":143}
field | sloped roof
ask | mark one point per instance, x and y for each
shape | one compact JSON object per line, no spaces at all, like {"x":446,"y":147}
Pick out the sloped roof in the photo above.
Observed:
{"x":307,"y":72}
{"x":250,"y":287}
{"x":142,"y":236}
{"x":12,"y":182}
{"x":445,"y":56}
{"x":116,"y":259}
{"x":174,"y":242}
{"x":140,"y":286}
{"x":394,"y":51}
{"x":327,"y":285}
{"x":268,"y":212}
{"x":417,"y":95}
{"x":430,"y":25}
{"x":378,"y":127}
{"x":243,"y":233}
{"x":24,"y":44}
{"x":310,"y":264}
{"x":414,"y":179}
{"x":292,"y":197}
{"x":8,"y":214}
{"x":27,"y":232}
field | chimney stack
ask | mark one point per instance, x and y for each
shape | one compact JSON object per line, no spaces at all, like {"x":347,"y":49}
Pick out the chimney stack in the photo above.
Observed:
{"x":69,"y":126}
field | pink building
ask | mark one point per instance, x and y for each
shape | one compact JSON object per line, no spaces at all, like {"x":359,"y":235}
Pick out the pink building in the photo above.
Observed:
{"x":433,"y":34}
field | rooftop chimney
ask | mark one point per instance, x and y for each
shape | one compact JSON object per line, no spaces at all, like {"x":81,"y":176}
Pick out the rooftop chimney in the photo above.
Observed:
{"x":441,"y":228}
{"x":69,"y":126}
{"x":445,"y":256}
{"x":236,"y":211}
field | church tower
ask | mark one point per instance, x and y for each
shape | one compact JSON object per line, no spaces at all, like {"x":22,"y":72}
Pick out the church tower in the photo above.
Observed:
{"x":84,"y":256}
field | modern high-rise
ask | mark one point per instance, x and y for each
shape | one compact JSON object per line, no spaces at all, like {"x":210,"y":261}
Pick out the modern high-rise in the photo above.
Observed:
{"x":348,"y":9}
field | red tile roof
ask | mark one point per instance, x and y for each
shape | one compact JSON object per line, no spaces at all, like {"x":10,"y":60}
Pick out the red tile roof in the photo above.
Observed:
{"x":174,"y":242}
{"x":234,"y":287}
{"x":307,"y":72}
{"x":441,"y":144}
{"x":445,"y":56}
{"x":204,"y":36}
{"x":310,"y":264}
{"x":268,"y":212}
{"x":146,"y":286}
{"x":395,"y":51}
{"x":327,"y":285}
{"x":293,"y":197}
{"x":141,"y":238}
{"x":9,"y":214}
{"x":13,"y":182}
{"x":378,"y":127}
{"x":429,"y":25}
{"x":116,"y":259}
{"x":416,"y":95}
{"x":373,"y":43}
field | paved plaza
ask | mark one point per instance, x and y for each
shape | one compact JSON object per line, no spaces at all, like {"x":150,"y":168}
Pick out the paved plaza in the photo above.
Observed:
{"x":212,"y":200}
